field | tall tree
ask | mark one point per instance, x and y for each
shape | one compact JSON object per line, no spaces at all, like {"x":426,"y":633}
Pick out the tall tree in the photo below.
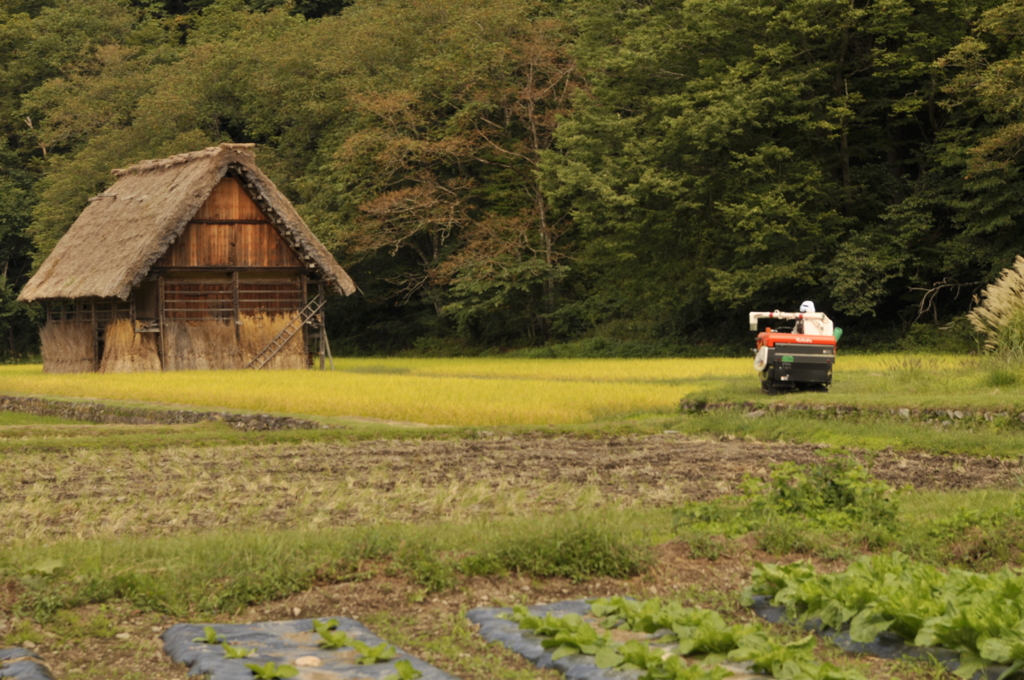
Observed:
{"x":745,"y":153}
{"x":452,"y":106}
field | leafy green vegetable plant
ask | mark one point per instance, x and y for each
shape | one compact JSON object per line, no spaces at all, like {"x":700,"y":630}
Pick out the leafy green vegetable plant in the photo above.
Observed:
{"x":780,"y":660}
{"x":332,"y":639}
{"x":370,"y":655}
{"x":647,"y":616}
{"x":209,"y":636}
{"x":698,"y":631}
{"x":674,"y":668}
{"x":404,"y":671}
{"x":981,"y":616}
{"x":701,"y":633}
{"x":271,"y":671}
{"x":236,"y":652}
{"x":629,"y":656}
{"x":567,"y":635}
{"x":335,"y":639}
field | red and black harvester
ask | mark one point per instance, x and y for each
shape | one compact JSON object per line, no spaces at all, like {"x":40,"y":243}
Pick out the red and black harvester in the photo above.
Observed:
{"x":798,"y":355}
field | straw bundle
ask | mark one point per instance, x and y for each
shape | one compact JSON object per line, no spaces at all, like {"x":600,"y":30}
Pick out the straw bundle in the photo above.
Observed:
{"x":1000,"y":316}
{"x":125,"y":351}
{"x":200,"y":345}
{"x":68,"y":347}
{"x":258,"y":330}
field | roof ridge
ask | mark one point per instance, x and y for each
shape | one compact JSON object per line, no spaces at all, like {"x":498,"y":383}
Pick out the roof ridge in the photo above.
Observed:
{"x":188,"y":157}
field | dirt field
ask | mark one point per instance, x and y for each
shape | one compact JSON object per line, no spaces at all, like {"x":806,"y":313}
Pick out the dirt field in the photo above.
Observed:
{"x":91,"y":493}
{"x":94,"y":493}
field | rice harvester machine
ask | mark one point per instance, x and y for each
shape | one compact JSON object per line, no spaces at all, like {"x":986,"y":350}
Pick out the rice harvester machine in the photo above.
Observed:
{"x":799,"y":353}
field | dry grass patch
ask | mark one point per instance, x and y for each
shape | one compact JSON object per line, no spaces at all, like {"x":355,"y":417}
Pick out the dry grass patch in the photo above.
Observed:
{"x":90,"y":494}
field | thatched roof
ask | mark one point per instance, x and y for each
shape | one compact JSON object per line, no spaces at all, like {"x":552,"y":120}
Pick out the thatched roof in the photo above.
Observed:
{"x":126,"y":229}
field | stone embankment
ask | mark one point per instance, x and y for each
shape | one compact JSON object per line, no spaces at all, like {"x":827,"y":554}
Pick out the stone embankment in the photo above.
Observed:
{"x":98,"y":412}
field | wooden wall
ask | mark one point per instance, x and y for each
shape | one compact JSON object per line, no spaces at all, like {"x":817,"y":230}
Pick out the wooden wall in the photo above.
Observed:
{"x":229,"y":231}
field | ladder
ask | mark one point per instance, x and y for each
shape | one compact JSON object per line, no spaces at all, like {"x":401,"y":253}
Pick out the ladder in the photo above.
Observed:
{"x":287,"y":333}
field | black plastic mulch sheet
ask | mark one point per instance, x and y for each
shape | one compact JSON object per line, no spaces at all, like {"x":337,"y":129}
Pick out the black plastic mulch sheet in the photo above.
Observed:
{"x":19,"y":663}
{"x":283,"y":642}
{"x":493,"y":628}
{"x":886,"y":646}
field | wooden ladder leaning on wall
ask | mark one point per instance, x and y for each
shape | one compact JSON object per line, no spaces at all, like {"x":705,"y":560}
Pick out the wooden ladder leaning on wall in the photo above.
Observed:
{"x":287,"y":333}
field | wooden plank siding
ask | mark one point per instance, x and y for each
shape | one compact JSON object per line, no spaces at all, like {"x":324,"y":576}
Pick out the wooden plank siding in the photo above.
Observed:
{"x":229,"y":230}
{"x":229,"y":233}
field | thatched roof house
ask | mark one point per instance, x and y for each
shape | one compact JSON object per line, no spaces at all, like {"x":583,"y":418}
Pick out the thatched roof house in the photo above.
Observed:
{"x":173,"y":253}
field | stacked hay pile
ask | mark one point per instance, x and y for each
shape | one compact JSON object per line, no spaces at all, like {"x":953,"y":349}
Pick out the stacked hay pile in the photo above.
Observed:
{"x":258,"y":330}
{"x":125,"y":351}
{"x":189,"y":346}
{"x":68,"y":347}
{"x":200,"y":345}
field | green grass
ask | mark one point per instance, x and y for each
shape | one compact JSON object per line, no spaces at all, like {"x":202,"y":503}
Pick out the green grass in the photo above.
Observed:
{"x":227,"y":571}
{"x":55,"y":436}
{"x":12,"y":419}
{"x":977,"y":530}
{"x":980,"y":529}
{"x":921,"y":508}
{"x":1002,"y":438}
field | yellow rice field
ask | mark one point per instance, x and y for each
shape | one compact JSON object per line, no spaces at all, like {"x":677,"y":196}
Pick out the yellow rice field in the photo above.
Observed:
{"x":477,"y":392}
{"x":471,"y":392}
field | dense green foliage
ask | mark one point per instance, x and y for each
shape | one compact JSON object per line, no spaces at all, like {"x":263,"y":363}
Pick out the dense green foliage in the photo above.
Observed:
{"x":978,"y":615}
{"x":701,"y":634}
{"x":837,"y":497}
{"x":521,"y":172}
{"x":835,"y":509}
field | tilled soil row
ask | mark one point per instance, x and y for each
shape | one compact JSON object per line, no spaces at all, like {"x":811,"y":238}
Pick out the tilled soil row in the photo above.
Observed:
{"x":701,"y":469}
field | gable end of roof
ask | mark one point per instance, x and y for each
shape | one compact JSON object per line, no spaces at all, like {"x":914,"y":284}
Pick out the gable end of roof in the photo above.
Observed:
{"x":125,"y":230}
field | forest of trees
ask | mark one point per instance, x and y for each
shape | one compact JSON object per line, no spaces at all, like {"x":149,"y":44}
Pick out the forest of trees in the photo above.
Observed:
{"x":520,"y":173}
